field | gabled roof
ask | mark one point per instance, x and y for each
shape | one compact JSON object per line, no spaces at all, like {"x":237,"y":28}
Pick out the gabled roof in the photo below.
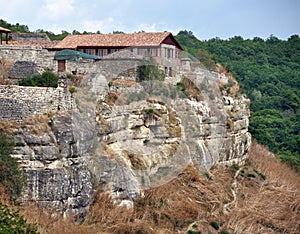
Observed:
{"x":4,"y":30}
{"x":116,"y":40}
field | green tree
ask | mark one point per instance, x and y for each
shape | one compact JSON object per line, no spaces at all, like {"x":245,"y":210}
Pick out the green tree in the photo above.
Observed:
{"x":47,"y":79}
{"x":268,"y":71}
{"x":12,"y":222}
{"x":150,"y":71}
{"x":11,"y":176}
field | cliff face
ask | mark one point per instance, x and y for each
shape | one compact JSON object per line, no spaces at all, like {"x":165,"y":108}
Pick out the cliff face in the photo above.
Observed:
{"x":124,"y":137}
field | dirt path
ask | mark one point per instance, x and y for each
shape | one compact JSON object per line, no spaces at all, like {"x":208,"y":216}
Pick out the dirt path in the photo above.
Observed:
{"x":233,"y":203}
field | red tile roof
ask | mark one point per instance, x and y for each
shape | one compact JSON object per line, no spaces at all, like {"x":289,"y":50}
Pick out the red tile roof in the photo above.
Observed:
{"x":4,"y":30}
{"x":43,"y":44}
{"x":113,"y":40}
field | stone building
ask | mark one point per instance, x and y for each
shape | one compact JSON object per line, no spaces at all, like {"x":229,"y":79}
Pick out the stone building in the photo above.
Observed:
{"x":161,"y":46}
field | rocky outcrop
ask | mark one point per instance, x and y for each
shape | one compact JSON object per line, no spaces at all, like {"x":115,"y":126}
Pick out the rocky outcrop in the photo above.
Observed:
{"x":125,"y":137}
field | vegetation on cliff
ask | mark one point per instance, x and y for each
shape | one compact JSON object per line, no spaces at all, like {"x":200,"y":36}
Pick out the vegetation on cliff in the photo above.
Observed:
{"x":11,"y":176}
{"x":258,"y":197}
{"x":269,"y":73}
{"x":12,"y":179}
{"x":47,"y":79}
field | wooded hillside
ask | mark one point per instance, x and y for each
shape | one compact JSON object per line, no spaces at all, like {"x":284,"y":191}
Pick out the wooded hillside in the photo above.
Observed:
{"x":269,"y":74}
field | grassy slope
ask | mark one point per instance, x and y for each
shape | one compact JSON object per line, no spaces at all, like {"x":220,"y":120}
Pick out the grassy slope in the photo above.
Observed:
{"x":267,"y":201}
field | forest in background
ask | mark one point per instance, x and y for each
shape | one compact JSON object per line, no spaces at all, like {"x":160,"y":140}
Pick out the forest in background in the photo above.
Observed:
{"x":268,"y":72}
{"x":266,"y":190}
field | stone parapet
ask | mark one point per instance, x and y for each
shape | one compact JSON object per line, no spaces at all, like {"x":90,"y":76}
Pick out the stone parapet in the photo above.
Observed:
{"x":18,"y":102}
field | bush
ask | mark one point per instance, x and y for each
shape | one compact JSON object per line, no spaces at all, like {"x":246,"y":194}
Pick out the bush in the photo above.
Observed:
{"x":11,"y":176}
{"x":180,"y":86}
{"x":215,"y":225}
{"x":12,"y":222}
{"x":72,"y":90}
{"x":47,"y":79}
{"x":224,"y":231}
{"x":150,"y":71}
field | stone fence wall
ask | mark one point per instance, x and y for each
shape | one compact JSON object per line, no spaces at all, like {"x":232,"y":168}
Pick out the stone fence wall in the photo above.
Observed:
{"x":112,"y":67}
{"x":18,"y":102}
{"x":42,"y":57}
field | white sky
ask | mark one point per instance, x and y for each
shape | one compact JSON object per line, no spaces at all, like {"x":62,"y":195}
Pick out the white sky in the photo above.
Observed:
{"x":206,"y":18}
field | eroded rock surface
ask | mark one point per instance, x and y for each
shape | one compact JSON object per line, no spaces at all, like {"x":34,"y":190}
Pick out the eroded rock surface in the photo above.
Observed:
{"x":124,"y":137}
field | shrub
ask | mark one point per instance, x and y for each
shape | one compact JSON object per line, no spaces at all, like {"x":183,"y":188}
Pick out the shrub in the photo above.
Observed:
{"x":180,"y":86}
{"x":11,"y":176}
{"x":12,"y":222}
{"x":193,"y":232}
{"x":72,"y":90}
{"x":215,"y":225}
{"x":224,"y":231}
{"x":150,"y":71}
{"x":47,"y":79}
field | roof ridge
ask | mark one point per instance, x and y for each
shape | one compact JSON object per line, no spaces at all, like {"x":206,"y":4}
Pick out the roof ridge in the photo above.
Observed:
{"x":113,"y":40}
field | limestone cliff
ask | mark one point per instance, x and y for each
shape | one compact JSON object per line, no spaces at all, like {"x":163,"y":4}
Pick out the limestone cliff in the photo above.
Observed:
{"x":124,"y":136}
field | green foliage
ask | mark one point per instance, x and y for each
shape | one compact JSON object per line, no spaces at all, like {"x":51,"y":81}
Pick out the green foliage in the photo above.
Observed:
{"x":11,"y":176}
{"x":224,"y":231}
{"x":269,"y":74}
{"x":72,"y":90}
{"x":215,"y":225}
{"x":14,"y":27}
{"x":13,"y":222}
{"x":149,"y":111}
{"x":262,"y":176}
{"x":180,"y":86}
{"x":134,"y":97}
{"x":47,"y":79}
{"x":150,"y":71}
{"x":54,"y":37}
{"x":193,"y":232}
{"x":235,"y":167}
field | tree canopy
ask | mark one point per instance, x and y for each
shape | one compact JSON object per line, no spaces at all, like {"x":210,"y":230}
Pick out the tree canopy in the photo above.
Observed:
{"x":269,"y":74}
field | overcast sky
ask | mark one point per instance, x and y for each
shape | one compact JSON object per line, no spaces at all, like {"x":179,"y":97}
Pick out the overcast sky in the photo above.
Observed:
{"x":206,"y":18}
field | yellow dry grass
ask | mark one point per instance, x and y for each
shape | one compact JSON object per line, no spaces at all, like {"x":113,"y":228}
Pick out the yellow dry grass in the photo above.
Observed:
{"x":267,"y":202}
{"x":36,"y":124}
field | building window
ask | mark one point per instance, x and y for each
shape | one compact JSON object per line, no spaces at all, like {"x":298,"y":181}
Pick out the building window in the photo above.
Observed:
{"x":169,"y":53}
{"x":89,"y":51}
{"x":101,"y":52}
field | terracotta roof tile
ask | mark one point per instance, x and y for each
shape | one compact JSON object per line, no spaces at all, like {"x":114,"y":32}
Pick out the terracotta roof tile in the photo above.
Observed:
{"x":113,"y":40}
{"x":43,"y":44}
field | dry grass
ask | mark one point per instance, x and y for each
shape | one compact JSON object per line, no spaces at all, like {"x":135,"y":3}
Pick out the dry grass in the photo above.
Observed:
{"x":37,"y":124}
{"x":111,"y":98}
{"x":267,"y":202}
{"x":191,"y":89}
{"x":233,"y":86}
{"x":9,"y":127}
{"x":5,"y":65}
{"x":124,"y":82}
{"x":271,"y":206}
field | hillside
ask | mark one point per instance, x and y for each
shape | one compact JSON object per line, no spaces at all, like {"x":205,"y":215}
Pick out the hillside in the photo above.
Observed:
{"x":121,"y":150}
{"x":269,"y":73}
{"x":261,"y":196}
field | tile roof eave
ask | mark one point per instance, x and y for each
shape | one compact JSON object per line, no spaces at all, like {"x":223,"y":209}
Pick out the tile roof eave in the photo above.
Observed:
{"x":114,"y":40}
{"x":4,"y":30}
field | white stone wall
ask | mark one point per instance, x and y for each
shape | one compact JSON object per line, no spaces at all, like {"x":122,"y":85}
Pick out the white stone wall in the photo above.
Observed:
{"x":42,"y":57}
{"x":18,"y":102}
